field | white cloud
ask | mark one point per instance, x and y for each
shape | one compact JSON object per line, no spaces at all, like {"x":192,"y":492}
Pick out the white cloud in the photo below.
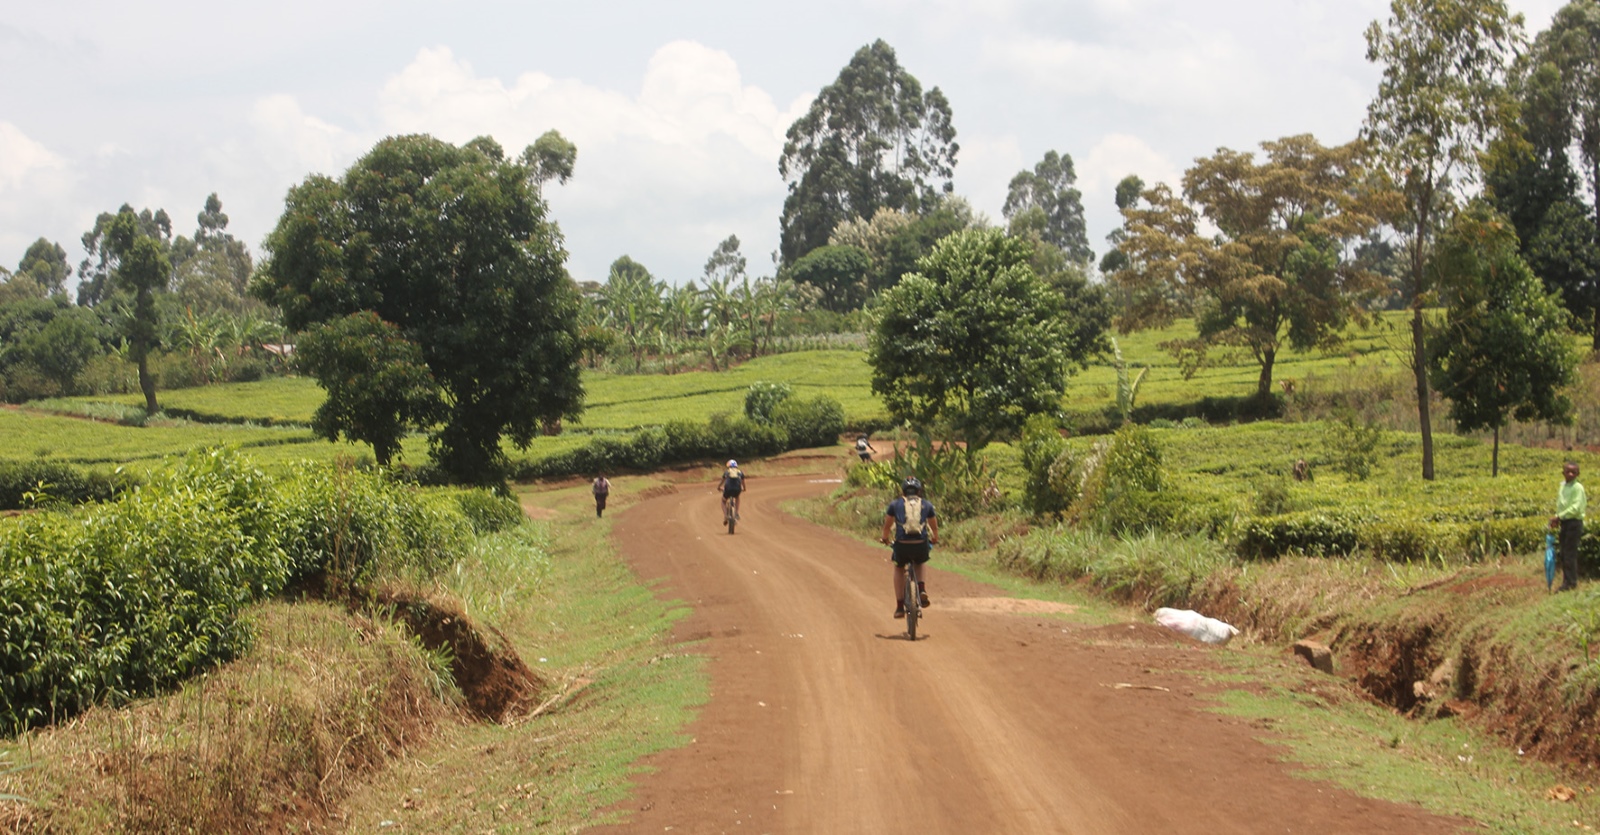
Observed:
{"x":1116,"y":156}
{"x":666,"y":173}
{"x":297,"y":143}
{"x":21,"y":157}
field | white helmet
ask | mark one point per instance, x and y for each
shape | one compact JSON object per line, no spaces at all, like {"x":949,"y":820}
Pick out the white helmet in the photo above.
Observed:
{"x":732,"y":463}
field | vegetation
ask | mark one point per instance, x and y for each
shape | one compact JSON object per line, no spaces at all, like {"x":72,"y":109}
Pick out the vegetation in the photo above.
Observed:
{"x":453,"y":247}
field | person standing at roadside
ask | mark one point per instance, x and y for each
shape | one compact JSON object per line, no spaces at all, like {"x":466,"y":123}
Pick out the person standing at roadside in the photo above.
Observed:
{"x":602,"y":489}
{"x":1571,"y":503}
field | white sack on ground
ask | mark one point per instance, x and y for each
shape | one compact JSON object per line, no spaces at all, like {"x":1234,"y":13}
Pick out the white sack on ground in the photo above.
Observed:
{"x":1196,"y":625}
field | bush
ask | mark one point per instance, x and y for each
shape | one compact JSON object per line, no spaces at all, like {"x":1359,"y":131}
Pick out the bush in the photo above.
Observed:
{"x":810,"y":423}
{"x":763,"y":399}
{"x":1121,"y":482}
{"x":1308,"y":532}
{"x":53,"y":482}
{"x":1352,"y":446}
{"x":1047,"y":488}
{"x":487,"y":511}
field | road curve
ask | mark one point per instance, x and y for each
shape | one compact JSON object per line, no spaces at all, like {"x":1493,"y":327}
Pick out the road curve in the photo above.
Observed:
{"x":824,"y":719}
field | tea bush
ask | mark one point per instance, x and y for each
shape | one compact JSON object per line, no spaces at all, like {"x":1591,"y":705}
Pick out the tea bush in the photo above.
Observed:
{"x":117,"y":600}
{"x":763,"y":399}
{"x":810,"y":423}
{"x":487,"y":511}
{"x":60,"y":482}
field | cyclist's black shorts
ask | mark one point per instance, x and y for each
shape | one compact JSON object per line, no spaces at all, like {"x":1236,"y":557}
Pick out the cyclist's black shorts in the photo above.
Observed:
{"x":731,"y":492}
{"x":911,"y":552}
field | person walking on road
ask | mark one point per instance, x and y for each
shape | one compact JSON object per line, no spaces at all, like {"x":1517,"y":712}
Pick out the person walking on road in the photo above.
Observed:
{"x":915,"y":527}
{"x":602,"y":489}
{"x":1571,"y":503}
{"x":864,"y":448}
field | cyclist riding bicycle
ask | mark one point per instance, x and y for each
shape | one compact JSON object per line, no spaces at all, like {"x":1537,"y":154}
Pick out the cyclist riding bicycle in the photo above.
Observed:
{"x":864,"y":448}
{"x":915,"y":527}
{"x":732,"y":486}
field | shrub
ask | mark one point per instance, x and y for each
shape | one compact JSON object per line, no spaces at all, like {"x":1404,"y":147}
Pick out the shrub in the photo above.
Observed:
{"x":487,"y":511}
{"x":57,"y":483}
{"x":810,"y":423}
{"x":1042,"y":447}
{"x":1352,"y":446}
{"x":763,"y":398}
{"x":1308,"y":532}
{"x":1121,"y":482}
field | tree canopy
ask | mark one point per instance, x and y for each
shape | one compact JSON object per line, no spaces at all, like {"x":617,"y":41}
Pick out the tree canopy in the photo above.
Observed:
{"x":453,"y":247}
{"x":1503,"y":350}
{"x":1045,"y":200}
{"x":1441,"y":98}
{"x":870,"y":139}
{"x":1275,"y":272}
{"x":974,"y":340}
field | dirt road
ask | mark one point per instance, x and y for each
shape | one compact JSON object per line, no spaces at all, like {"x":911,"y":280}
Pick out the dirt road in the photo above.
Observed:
{"x":824,"y":719}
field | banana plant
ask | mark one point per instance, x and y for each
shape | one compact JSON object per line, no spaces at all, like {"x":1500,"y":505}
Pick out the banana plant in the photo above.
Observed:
{"x":1127,"y":387}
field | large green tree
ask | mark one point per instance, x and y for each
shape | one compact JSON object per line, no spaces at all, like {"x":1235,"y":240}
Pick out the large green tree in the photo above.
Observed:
{"x":1503,"y":350}
{"x":1274,"y":274}
{"x":46,"y":263}
{"x":873,"y":138}
{"x":975,"y":341}
{"x":1045,"y":200}
{"x":140,"y":269}
{"x":454,"y":247}
{"x":839,"y":274}
{"x":1441,"y":98}
{"x":95,"y":272}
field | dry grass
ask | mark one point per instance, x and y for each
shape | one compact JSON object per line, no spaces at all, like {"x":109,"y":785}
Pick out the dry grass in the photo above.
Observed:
{"x":267,"y":744}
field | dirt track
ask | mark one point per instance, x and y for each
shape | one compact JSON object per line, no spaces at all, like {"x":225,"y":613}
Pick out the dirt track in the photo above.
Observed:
{"x":824,"y":719}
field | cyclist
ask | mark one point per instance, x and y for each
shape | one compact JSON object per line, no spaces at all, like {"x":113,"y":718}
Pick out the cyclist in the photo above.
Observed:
{"x":732,"y":485}
{"x":915,"y":527}
{"x":864,"y":448}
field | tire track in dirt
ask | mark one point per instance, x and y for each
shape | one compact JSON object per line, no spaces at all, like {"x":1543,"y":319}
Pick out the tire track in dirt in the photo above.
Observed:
{"x":823,"y":718}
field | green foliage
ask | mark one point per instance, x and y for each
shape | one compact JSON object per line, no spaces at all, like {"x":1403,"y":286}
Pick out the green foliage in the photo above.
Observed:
{"x":976,"y":340}
{"x":118,"y":600}
{"x":1045,"y":199}
{"x":839,"y":275}
{"x":813,"y":422}
{"x":378,"y":384}
{"x":763,"y":399}
{"x":959,"y":484}
{"x":1127,"y":384}
{"x":1151,"y":570}
{"x":870,"y":139}
{"x":1352,"y":446}
{"x":487,"y":511}
{"x":63,"y":482}
{"x":1050,"y":487}
{"x":453,"y":246}
{"x":1503,"y":351}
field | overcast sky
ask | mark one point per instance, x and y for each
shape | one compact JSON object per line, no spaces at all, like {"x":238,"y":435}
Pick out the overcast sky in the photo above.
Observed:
{"x":678,"y":109}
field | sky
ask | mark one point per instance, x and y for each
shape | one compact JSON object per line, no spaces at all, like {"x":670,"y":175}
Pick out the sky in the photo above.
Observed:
{"x":678,"y":110}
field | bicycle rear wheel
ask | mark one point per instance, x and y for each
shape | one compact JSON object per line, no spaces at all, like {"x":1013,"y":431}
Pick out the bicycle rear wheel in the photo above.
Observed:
{"x":913,"y":601}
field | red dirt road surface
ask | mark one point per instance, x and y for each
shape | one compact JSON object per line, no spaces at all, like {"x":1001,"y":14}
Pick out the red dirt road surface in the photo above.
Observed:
{"x":824,"y":719}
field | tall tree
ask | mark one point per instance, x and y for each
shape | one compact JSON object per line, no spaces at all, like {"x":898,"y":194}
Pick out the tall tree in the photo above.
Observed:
{"x":46,"y":262}
{"x":140,"y":268}
{"x":871,"y":139}
{"x":1442,"y":97}
{"x":975,"y":340}
{"x":453,"y":245}
{"x":1533,"y":180}
{"x":94,"y":274}
{"x":1129,"y":190}
{"x":1048,"y":192}
{"x":1276,"y":272}
{"x":1503,"y":350}
{"x":551,"y":157}
{"x":212,"y":270}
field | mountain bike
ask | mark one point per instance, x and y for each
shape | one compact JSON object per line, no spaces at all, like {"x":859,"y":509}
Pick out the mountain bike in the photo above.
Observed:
{"x":729,"y":516}
{"x":912,"y":595}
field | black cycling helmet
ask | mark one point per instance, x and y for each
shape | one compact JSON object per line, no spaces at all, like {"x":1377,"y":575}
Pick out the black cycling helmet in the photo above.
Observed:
{"x":911,"y":485}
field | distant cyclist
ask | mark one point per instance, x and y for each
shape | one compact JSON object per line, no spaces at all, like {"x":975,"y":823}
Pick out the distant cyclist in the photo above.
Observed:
{"x":732,"y":486}
{"x":915,"y":527}
{"x":864,"y":448}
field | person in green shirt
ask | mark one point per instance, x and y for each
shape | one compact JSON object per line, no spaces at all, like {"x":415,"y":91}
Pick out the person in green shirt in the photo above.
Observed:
{"x":1571,"y":502}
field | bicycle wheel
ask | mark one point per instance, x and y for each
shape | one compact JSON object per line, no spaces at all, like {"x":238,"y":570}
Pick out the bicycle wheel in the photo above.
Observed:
{"x":729,"y":519}
{"x":913,"y":601}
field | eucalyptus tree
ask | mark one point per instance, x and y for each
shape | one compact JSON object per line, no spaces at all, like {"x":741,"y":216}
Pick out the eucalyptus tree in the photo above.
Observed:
{"x":1047,"y":191}
{"x":871,"y":139}
{"x":138,"y":266}
{"x":1441,"y":98}
{"x":46,"y":263}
